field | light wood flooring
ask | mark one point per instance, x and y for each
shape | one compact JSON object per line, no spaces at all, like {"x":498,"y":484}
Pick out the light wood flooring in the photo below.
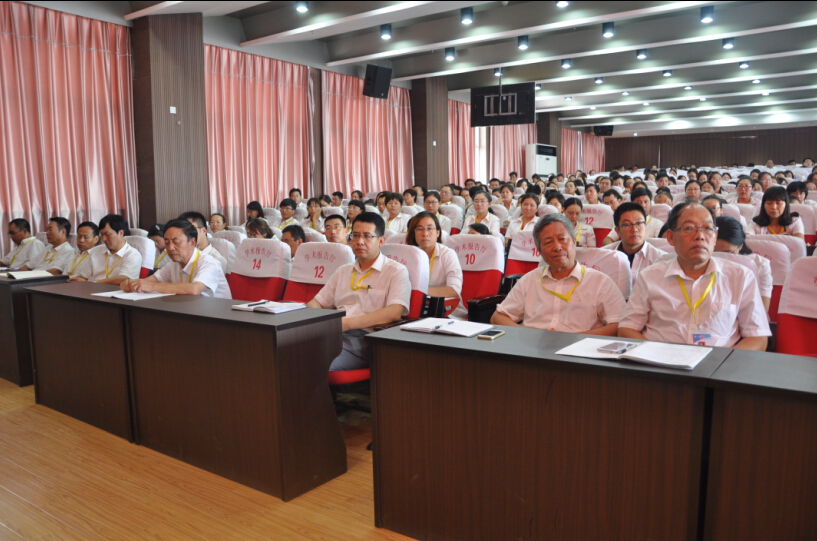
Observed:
{"x":61,"y":479}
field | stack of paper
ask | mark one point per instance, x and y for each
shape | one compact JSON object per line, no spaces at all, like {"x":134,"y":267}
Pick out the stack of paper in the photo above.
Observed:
{"x":132,"y":296}
{"x":655,"y":353}
{"x":446,"y":326}
{"x":21,"y":275}
{"x":269,"y":306}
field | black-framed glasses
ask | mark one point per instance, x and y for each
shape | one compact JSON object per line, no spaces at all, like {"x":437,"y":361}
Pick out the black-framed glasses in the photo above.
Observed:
{"x":689,"y":230}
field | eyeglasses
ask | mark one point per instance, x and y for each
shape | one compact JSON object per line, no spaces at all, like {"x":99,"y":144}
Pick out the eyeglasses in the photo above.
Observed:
{"x":365,"y":236}
{"x":12,"y":233}
{"x":689,"y":230}
{"x":637,"y":225}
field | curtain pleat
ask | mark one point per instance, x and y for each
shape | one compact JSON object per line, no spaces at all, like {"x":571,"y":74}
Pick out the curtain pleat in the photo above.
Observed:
{"x":66,"y":118}
{"x":592,"y":153}
{"x":366,"y":141}
{"x":571,"y":141}
{"x":506,"y":148}
{"x":462,"y":152}
{"x":259,"y":130}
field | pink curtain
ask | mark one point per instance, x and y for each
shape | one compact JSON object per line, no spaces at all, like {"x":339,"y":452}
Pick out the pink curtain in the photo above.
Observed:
{"x":462,"y":142}
{"x":366,"y":141}
{"x":592,"y":153}
{"x":259,"y":130}
{"x":571,"y":143}
{"x":66,"y":118}
{"x":506,"y":146}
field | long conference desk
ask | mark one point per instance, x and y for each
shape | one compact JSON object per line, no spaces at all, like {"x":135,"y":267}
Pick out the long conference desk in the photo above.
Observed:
{"x":241,"y":394}
{"x":506,"y":440}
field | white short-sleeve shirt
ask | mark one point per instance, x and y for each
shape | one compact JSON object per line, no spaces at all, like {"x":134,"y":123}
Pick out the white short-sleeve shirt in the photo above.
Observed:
{"x":446,"y":269}
{"x":764,"y":274}
{"x":161,"y":260}
{"x":399,"y":224}
{"x":126,"y":262}
{"x":732,"y":310}
{"x":387,"y":284}
{"x":597,"y":301}
{"x":27,"y":253}
{"x":79,"y":261}
{"x":515,"y":226}
{"x":317,"y":225}
{"x":206,"y":270}
{"x":795,"y":228}
{"x":283,"y":224}
{"x":585,"y":236}
{"x":654,"y":226}
{"x":646,"y":256}
{"x":490,"y":220}
{"x":445,"y":223}
{"x":215,"y":254}
{"x":55,"y":258}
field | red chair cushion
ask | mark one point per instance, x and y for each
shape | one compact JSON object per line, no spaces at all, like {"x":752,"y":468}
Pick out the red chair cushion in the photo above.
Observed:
{"x":249,"y":289}
{"x":143,"y":272}
{"x":774,"y":303}
{"x":810,"y":239}
{"x":416,"y":302}
{"x":298,"y":292}
{"x":346,"y":377}
{"x":601,"y":234}
{"x":479,"y":284}
{"x":455,"y":230}
{"x":514,"y":266}
{"x":795,"y":335}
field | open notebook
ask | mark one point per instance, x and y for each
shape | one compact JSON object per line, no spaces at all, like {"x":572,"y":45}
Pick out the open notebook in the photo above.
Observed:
{"x":656,"y":353}
{"x":21,"y":275}
{"x":270,"y":307}
{"x":441,"y":325}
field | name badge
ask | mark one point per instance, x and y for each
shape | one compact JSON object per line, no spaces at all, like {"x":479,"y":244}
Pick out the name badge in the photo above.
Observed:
{"x":702,"y":339}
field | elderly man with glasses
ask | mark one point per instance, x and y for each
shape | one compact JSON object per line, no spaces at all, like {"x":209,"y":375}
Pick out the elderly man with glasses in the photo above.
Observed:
{"x":27,"y":250}
{"x":373,"y":290}
{"x":695,"y":298}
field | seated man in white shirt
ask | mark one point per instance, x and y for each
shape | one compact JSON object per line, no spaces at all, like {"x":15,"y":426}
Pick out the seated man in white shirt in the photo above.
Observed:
{"x":87,"y":239}
{"x":695,"y":298}
{"x":337,"y":199}
{"x":335,"y":229}
{"x":116,"y":264}
{"x":59,"y":251}
{"x":293,"y":236}
{"x":191,"y":272}
{"x":296,"y":196}
{"x":564,"y":296}
{"x":200,"y":223}
{"x":373,"y":290}
{"x":631,"y":227}
{"x":612,"y":199}
{"x":27,"y":250}
{"x":643,"y":197}
{"x":287,"y":209}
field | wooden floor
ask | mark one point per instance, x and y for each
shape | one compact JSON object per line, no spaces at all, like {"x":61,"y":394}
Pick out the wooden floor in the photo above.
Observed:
{"x":63,"y":479}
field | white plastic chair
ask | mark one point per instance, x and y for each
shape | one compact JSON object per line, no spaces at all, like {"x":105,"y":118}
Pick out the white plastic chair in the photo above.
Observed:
{"x":238,"y":228}
{"x":235,"y":237}
{"x":226,"y":249}
{"x":147,"y":248}
{"x":314,"y":236}
{"x":136,"y":232}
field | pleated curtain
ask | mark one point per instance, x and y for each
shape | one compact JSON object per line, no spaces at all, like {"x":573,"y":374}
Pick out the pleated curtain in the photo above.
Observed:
{"x":462,"y":152}
{"x":571,"y":143}
{"x":506,"y":149}
{"x":592,"y":153}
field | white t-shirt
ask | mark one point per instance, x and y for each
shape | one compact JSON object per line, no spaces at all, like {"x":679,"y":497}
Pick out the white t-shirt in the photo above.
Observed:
{"x":515,"y":226}
{"x":795,"y":228}
{"x":490,"y":220}
{"x":126,"y":262}
{"x":215,"y":254}
{"x":28,"y":253}
{"x":446,"y":269}
{"x":764,"y":274}
{"x":387,"y":284}
{"x":732,"y":310}
{"x":596,"y":301}
{"x":55,"y":258}
{"x":206,"y":270}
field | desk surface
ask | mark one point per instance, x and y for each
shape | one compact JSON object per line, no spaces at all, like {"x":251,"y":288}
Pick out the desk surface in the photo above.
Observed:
{"x":770,"y":371}
{"x":534,"y":346}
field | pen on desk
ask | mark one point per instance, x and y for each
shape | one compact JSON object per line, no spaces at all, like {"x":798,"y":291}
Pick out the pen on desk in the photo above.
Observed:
{"x":441,"y":326}
{"x":257,"y":303}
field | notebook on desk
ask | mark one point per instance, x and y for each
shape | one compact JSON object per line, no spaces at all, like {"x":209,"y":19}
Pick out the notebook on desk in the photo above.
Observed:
{"x":441,"y":325}
{"x":661,"y":354}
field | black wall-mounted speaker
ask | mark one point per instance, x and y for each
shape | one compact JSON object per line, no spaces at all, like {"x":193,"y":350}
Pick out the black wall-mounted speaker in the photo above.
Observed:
{"x":603,"y":131}
{"x":377,"y":81}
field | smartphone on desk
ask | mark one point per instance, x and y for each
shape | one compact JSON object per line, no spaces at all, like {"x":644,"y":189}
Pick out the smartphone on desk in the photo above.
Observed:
{"x":490,"y":335}
{"x":616,"y":348}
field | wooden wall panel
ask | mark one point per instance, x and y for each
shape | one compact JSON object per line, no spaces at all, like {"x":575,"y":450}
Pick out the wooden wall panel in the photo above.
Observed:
{"x":717,"y":148}
{"x":549,"y":132}
{"x":171,"y":149}
{"x":429,"y":124}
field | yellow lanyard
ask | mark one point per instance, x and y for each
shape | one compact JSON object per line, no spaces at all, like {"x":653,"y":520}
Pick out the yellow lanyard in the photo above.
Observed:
{"x":431,"y":265}
{"x":283,"y":225}
{"x":22,"y":245}
{"x":356,"y":286}
{"x":772,"y":231}
{"x":579,"y":233}
{"x":159,"y":260}
{"x":694,"y":308}
{"x":193,"y":270}
{"x":45,"y":257}
{"x":477,"y":219}
{"x":565,"y":297}
{"x":78,"y":263}
{"x":107,"y":272}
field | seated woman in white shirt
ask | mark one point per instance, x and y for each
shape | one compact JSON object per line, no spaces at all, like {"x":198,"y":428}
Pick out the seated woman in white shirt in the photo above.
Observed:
{"x":314,"y":219}
{"x":775,"y":216}
{"x":570,"y":187}
{"x":556,"y":199}
{"x":732,"y":239}
{"x":410,"y":199}
{"x":529,"y":204}
{"x":356,"y":207}
{"x":157,"y":234}
{"x":395,"y":219}
{"x":445,"y":274}
{"x":743,"y":193}
{"x":591,"y":194}
{"x":432,"y":205}
{"x":506,"y":197}
{"x":254,"y":210}
{"x":585,"y":236}
{"x":482,"y":202}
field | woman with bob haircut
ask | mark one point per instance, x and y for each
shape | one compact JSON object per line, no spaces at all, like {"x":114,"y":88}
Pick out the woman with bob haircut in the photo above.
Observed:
{"x":775,"y":216}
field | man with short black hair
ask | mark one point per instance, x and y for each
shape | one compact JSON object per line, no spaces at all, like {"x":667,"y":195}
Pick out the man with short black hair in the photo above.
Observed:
{"x":116,"y":264}
{"x":203,"y":244}
{"x":612,"y":199}
{"x":58,"y":252}
{"x":798,"y":193}
{"x":28,"y":249}
{"x":512,"y":177}
{"x":591,"y":194}
{"x":372,"y":291}
{"x":191,"y":271}
{"x":335,"y":229}
{"x":643,"y":197}
{"x":296,"y":196}
{"x":631,"y":228}
{"x":470,"y":183}
{"x":87,"y":240}
{"x":337,"y":199}
{"x":293,"y":236}
{"x":287,"y":209}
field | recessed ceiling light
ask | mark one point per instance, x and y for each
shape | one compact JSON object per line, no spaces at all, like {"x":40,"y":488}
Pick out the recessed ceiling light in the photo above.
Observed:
{"x":641,"y":54}
{"x":522,"y":42}
{"x":593,"y":108}
{"x":687,"y":87}
{"x":599,"y":80}
{"x":667,"y":73}
{"x":608,"y":30}
{"x":450,"y":53}
{"x":562,"y":4}
{"x":635,"y":135}
{"x":702,"y":99}
{"x":498,"y":72}
{"x":566,"y":63}
{"x":743,"y":65}
{"x":646,"y":103}
{"x":625,"y":93}
{"x":301,"y":7}
{"x":568,"y":98}
{"x":707,"y":14}
{"x":755,"y":81}
{"x":467,"y":15}
{"x":765,"y":93}
{"x":728,"y":43}
{"x":537,"y":86}
{"x":385,"y":31}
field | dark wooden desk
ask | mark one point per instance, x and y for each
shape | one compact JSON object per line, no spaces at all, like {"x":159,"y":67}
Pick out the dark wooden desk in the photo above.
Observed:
{"x":763,"y":457}
{"x":505,"y":440}
{"x":15,"y":352}
{"x":241,"y":394}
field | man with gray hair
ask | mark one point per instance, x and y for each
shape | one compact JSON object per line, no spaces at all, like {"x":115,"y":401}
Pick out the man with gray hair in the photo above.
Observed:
{"x":564,"y":295}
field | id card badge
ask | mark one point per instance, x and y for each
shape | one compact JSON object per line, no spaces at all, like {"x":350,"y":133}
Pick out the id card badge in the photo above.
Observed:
{"x":701,"y":339}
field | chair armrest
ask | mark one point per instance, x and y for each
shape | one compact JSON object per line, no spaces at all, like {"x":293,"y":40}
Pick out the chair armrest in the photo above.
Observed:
{"x":486,"y":301}
{"x":480,"y":309}
{"x":402,"y":321}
